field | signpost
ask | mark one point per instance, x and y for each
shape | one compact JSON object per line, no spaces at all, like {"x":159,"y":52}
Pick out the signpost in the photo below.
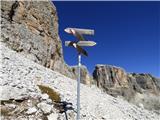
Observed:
{"x":78,"y":44}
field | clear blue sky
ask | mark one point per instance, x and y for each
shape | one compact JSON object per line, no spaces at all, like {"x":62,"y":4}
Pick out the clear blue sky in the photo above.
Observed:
{"x":127,"y":33}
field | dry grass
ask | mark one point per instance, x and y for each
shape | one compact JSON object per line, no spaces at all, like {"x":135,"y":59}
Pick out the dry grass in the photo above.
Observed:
{"x":4,"y":112}
{"x":53,"y":95}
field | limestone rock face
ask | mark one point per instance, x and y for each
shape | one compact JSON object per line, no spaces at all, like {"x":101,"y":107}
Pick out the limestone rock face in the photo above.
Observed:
{"x":85,"y":77}
{"x":110,"y":76}
{"x":113,"y":80}
{"x":133,"y":87}
{"x":147,"y":82}
{"x":31,"y":28}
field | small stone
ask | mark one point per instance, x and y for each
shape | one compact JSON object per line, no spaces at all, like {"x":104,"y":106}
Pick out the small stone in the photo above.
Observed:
{"x":29,"y":101}
{"x":46,"y":108}
{"x":11,"y":106}
{"x":52,"y":116}
{"x":49,"y":101}
{"x":31,"y":89}
{"x":141,"y":105}
{"x":31,"y":111}
{"x":44,"y":96}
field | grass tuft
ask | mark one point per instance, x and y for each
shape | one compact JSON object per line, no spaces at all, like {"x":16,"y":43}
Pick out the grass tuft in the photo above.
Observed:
{"x":53,"y":95}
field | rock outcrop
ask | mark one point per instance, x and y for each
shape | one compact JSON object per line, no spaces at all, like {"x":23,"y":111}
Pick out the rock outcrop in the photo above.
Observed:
{"x":32,"y":91}
{"x":31,"y":28}
{"x":109,"y":76}
{"x":117,"y":82}
{"x":85,"y":76}
{"x":147,"y":82}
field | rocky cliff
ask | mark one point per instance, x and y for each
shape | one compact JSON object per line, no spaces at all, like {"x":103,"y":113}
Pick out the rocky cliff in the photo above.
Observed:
{"x":86,"y":78}
{"x":133,"y":87}
{"x":31,"y":28}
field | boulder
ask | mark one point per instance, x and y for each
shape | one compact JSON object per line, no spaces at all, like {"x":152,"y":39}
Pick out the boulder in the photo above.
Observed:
{"x":52,"y":116}
{"x":31,"y":111}
{"x":46,"y":108}
{"x":44,"y":96}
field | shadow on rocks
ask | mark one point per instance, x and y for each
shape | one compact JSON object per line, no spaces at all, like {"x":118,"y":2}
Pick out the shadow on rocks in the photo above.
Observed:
{"x":63,"y":107}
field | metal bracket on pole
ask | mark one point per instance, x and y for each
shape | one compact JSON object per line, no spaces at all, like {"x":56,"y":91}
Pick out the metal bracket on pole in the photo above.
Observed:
{"x":78,"y":87}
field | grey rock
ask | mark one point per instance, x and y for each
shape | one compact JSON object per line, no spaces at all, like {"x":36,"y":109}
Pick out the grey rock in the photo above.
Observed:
{"x":44,"y":96}
{"x":52,"y":116}
{"x":11,"y":106}
{"x":49,"y":101}
{"x":46,"y":108}
{"x":31,"y":111}
{"x":141,"y":105}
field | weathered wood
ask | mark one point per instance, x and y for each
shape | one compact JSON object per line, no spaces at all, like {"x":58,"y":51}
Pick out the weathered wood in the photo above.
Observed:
{"x":82,"y":43}
{"x":67,"y":43}
{"x":86,"y":43}
{"x":81,"y":31}
{"x":84,"y":31}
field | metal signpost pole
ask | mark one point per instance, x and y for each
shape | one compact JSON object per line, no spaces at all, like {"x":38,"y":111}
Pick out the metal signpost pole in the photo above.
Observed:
{"x":78,"y":44}
{"x":78,"y":87}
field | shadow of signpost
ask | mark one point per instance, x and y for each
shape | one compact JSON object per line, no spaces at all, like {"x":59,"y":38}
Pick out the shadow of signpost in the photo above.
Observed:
{"x":64,"y":106}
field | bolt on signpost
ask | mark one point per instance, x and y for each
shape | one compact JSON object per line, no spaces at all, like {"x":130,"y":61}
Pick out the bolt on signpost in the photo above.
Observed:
{"x":78,"y":44}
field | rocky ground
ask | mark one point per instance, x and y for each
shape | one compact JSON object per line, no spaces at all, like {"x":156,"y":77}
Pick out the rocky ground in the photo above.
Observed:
{"x":21,"y":97}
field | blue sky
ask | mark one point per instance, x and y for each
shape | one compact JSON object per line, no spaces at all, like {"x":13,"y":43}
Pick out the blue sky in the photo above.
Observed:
{"x":127,"y":33}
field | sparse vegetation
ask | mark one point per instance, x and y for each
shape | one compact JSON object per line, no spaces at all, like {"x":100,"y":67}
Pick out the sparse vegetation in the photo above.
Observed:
{"x":152,"y":102}
{"x":4,"y":112}
{"x":53,"y":95}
